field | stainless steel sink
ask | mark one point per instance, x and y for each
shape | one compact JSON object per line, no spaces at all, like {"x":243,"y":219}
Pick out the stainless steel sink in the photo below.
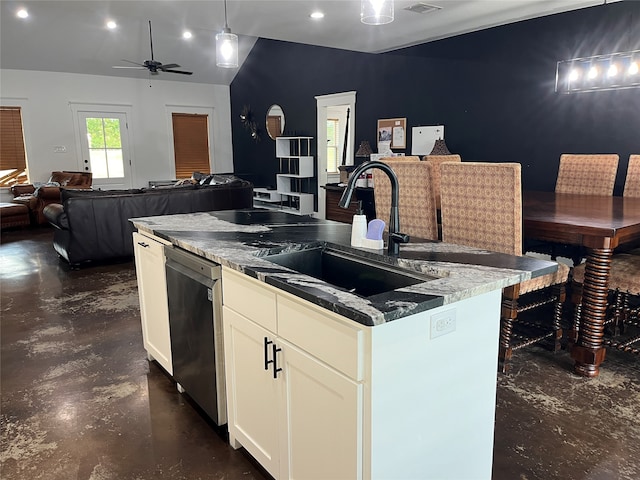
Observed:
{"x":359,"y":275}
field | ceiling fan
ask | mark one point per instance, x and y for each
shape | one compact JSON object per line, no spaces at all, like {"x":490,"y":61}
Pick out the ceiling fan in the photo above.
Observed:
{"x":153,"y":65}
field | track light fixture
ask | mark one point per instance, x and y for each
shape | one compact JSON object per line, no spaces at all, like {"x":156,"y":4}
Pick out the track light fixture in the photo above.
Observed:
{"x":601,"y":72}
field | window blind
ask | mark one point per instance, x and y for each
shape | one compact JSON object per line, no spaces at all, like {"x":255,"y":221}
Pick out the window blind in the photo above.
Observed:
{"x":12,"y":152}
{"x":191,"y":144}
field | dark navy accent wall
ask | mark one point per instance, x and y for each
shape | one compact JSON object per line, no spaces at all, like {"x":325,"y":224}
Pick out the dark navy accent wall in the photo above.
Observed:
{"x":493,"y":90}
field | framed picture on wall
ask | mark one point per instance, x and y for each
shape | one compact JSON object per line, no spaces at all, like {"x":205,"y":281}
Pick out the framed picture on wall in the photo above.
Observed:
{"x":393,"y":130}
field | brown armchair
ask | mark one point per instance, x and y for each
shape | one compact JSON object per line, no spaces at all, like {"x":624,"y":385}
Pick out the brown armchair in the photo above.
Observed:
{"x":38,"y":198}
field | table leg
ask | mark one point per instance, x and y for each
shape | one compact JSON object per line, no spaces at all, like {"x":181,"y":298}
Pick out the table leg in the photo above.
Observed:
{"x":588,"y":351}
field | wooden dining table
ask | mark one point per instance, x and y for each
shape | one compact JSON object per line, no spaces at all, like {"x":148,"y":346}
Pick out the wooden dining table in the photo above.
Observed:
{"x":600,"y":225}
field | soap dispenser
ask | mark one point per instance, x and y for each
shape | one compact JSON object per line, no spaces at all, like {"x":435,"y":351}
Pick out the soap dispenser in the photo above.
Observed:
{"x":358,"y":227}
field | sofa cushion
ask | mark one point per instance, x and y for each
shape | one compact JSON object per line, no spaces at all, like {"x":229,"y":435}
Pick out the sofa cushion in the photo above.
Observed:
{"x":66,"y":193}
{"x":72,"y":179}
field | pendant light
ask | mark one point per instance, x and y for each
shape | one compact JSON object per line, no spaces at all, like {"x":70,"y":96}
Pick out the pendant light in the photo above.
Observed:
{"x":226,"y":45}
{"x":376,"y":12}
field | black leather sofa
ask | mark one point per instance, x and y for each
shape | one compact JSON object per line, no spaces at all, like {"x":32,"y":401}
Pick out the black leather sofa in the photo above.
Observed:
{"x":94,"y":225}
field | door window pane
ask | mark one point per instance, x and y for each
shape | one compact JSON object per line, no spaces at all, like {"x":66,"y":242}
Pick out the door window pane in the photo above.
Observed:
{"x":115,"y":165}
{"x":105,"y":147}
{"x":98,"y":159}
{"x":332,"y":145}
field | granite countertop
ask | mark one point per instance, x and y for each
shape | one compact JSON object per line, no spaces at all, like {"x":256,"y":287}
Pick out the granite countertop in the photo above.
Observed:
{"x":239,"y":239}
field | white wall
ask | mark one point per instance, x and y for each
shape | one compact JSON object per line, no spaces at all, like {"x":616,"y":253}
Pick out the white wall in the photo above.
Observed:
{"x":48,"y":120}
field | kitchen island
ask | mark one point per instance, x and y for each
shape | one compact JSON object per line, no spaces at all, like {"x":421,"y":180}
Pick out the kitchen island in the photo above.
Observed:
{"x":325,"y":383}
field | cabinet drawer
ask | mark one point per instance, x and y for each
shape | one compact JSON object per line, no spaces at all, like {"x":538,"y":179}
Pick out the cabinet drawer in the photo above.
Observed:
{"x":153,"y":245}
{"x":250,"y":298}
{"x":336,"y":341}
{"x":151,"y":236}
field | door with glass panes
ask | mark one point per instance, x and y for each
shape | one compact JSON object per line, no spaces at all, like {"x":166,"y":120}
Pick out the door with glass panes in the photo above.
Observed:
{"x":105,"y":148}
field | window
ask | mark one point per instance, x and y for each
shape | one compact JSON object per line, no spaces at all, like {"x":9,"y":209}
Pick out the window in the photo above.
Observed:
{"x":105,"y":147}
{"x":191,"y":144}
{"x":12,"y":152}
{"x":332,"y":145}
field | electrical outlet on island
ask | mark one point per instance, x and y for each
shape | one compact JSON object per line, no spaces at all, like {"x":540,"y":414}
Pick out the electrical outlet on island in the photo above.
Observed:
{"x":443,"y":323}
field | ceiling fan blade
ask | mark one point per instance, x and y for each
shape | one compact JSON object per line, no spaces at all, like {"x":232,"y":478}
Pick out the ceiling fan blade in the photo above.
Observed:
{"x":129,"y":68}
{"x":178,"y":71}
{"x":151,"y":40}
{"x":168,"y":65}
{"x":135,"y":63}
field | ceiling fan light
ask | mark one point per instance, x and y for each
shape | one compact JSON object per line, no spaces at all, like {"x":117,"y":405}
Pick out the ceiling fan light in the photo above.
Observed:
{"x":376,"y":12}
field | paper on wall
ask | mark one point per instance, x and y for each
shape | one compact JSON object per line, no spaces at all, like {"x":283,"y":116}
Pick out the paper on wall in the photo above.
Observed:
{"x":424,"y":138}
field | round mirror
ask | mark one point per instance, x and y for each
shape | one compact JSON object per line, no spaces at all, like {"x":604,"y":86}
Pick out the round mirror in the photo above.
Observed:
{"x":275,"y":121}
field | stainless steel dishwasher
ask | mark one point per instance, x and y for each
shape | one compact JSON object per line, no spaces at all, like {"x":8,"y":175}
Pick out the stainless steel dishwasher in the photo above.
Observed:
{"x":195,"y":322}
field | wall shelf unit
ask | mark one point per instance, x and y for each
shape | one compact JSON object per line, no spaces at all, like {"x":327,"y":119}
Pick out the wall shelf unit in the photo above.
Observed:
{"x":293,"y":182}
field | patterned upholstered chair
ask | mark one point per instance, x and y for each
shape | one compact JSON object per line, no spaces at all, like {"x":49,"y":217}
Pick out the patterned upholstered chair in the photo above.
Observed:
{"x":632,"y":181}
{"x":624,"y":282}
{"x":579,"y":174}
{"x":435,"y":161}
{"x":587,"y":174}
{"x":401,"y":158}
{"x":482,"y":208}
{"x":632,"y":185}
{"x":417,"y":206}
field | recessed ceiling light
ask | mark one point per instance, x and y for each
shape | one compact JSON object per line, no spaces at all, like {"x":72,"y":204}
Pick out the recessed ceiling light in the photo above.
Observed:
{"x":111,"y":24}
{"x":22,"y":13}
{"x":187,"y":34}
{"x":317,"y":15}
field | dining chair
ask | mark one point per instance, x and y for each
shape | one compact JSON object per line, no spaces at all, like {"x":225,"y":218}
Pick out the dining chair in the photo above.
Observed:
{"x":401,"y":158}
{"x":632,"y":185}
{"x":417,"y":206}
{"x":624,"y":283}
{"x":482,"y":208}
{"x":587,"y":174}
{"x":435,"y":161}
{"x":632,"y":181}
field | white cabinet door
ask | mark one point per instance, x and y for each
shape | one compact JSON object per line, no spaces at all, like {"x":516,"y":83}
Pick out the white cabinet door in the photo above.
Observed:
{"x":252,"y":392}
{"x":306,"y":422}
{"x":323,"y":419}
{"x":152,"y":290}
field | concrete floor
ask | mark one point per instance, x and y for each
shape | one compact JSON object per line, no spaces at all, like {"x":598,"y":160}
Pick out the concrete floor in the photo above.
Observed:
{"x":80,"y":400}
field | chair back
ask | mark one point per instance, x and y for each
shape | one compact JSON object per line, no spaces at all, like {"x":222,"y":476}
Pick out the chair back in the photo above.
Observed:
{"x":417,"y":207}
{"x":401,"y":158}
{"x":587,"y":174}
{"x":482,"y":205}
{"x":435,"y":161}
{"x":632,"y":182}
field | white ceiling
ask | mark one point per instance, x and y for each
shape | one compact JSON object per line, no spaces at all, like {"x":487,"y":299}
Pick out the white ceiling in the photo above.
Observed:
{"x":70,"y":36}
